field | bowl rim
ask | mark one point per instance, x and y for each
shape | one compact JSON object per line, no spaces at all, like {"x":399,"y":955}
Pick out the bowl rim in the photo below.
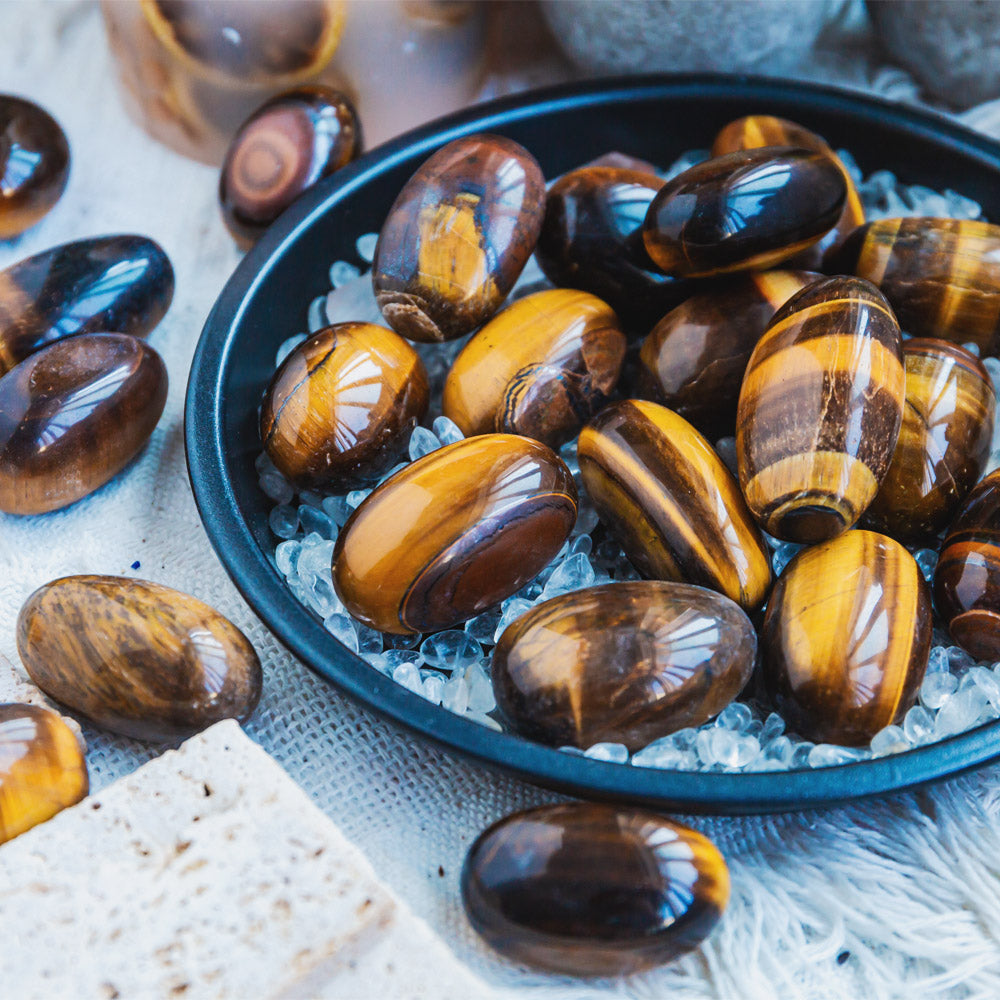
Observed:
{"x":256,"y":577}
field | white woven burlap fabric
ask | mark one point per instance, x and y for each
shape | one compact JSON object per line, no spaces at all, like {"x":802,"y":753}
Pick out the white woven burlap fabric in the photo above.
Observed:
{"x":886,"y":899}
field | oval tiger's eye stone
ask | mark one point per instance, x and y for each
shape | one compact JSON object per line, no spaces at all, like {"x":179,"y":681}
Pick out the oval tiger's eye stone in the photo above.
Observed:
{"x":743,"y":211}
{"x":542,"y":368}
{"x":119,"y":283}
{"x":592,"y":890}
{"x":339,"y":411}
{"x":819,"y":410}
{"x":670,"y":501}
{"x":457,"y":237}
{"x":944,"y":441}
{"x":42,"y":768}
{"x":694,"y":359}
{"x":34,"y":164}
{"x":73,"y":416}
{"x":622,"y":663}
{"x":941,"y":276}
{"x":846,"y":637}
{"x":591,"y":239}
{"x":454,"y":533}
{"x":136,"y":657}
{"x":280,"y":151}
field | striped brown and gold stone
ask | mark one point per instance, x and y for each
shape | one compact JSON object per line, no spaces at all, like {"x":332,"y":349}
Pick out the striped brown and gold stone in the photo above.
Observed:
{"x":820,"y":410}
{"x":542,"y":368}
{"x":846,"y":637}
{"x":941,"y":276}
{"x":42,"y":768}
{"x":670,"y":501}
{"x":944,"y":441}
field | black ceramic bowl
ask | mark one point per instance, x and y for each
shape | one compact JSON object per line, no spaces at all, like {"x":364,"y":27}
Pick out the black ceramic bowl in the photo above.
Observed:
{"x":265,"y":302}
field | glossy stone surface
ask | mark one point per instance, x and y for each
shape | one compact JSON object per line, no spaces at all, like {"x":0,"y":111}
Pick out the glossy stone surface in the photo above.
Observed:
{"x":846,"y":637}
{"x":820,"y":410}
{"x":941,"y":276}
{"x":122,"y":284}
{"x":454,"y":533}
{"x":42,"y":768}
{"x":672,"y":504}
{"x":944,"y":441}
{"x":339,"y":411}
{"x":73,"y":416}
{"x":34,"y":164}
{"x":136,"y":657}
{"x":622,"y":663}
{"x":694,"y":359}
{"x":280,"y":151}
{"x":591,"y":890}
{"x":542,"y":368}
{"x":592,"y":240}
{"x":457,"y":237}
{"x":743,"y":211}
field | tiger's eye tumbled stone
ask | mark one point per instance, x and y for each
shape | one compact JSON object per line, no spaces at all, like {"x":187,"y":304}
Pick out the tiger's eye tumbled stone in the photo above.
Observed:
{"x":592,"y":890}
{"x":73,"y":416}
{"x":34,"y":164}
{"x":540,"y":368}
{"x":42,"y":768}
{"x":671,"y":502}
{"x":820,"y":409}
{"x":454,"y":533}
{"x":457,"y":237}
{"x":118,"y":283}
{"x":136,"y":657}
{"x":622,"y":663}
{"x":694,"y":359}
{"x":846,"y":637}
{"x":743,"y":211}
{"x":340,"y":409}
{"x":281,"y":150}
{"x":944,"y":441}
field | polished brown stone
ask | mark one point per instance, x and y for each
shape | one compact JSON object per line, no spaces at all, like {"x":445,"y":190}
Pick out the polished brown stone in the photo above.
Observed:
{"x":846,"y":637}
{"x":454,"y":533}
{"x":622,"y":663}
{"x":542,"y":368}
{"x":136,"y":657}
{"x":73,"y":416}
{"x":457,"y":237}
{"x":593,"y":890}
{"x":339,"y":411}
{"x":820,"y":410}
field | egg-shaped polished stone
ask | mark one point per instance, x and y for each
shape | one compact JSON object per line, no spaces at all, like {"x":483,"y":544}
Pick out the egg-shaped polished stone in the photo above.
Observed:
{"x":820,"y":410}
{"x":622,"y":663}
{"x":339,"y":411}
{"x":846,"y":637}
{"x":457,"y":237}
{"x":280,"y":151}
{"x":542,"y":368}
{"x":944,"y":441}
{"x":454,"y":533}
{"x":593,"y":890}
{"x":34,"y":164}
{"x":670,"y":501}
{"x":941,"y":276}
{"x":73,"y":416}
{"x":591,"y":239}
{"x":136,"y":657}
{"x":118,"y":283}
{"x":694,"y":359}
{"x":42,"y":768}
{"x":743,"y":211}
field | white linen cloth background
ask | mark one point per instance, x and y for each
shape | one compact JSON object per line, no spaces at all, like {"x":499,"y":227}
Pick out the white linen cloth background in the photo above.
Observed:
{"x":883,"y":899}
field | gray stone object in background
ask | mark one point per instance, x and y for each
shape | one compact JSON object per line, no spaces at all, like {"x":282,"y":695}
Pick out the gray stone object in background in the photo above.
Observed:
{"x":951,"y":46}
